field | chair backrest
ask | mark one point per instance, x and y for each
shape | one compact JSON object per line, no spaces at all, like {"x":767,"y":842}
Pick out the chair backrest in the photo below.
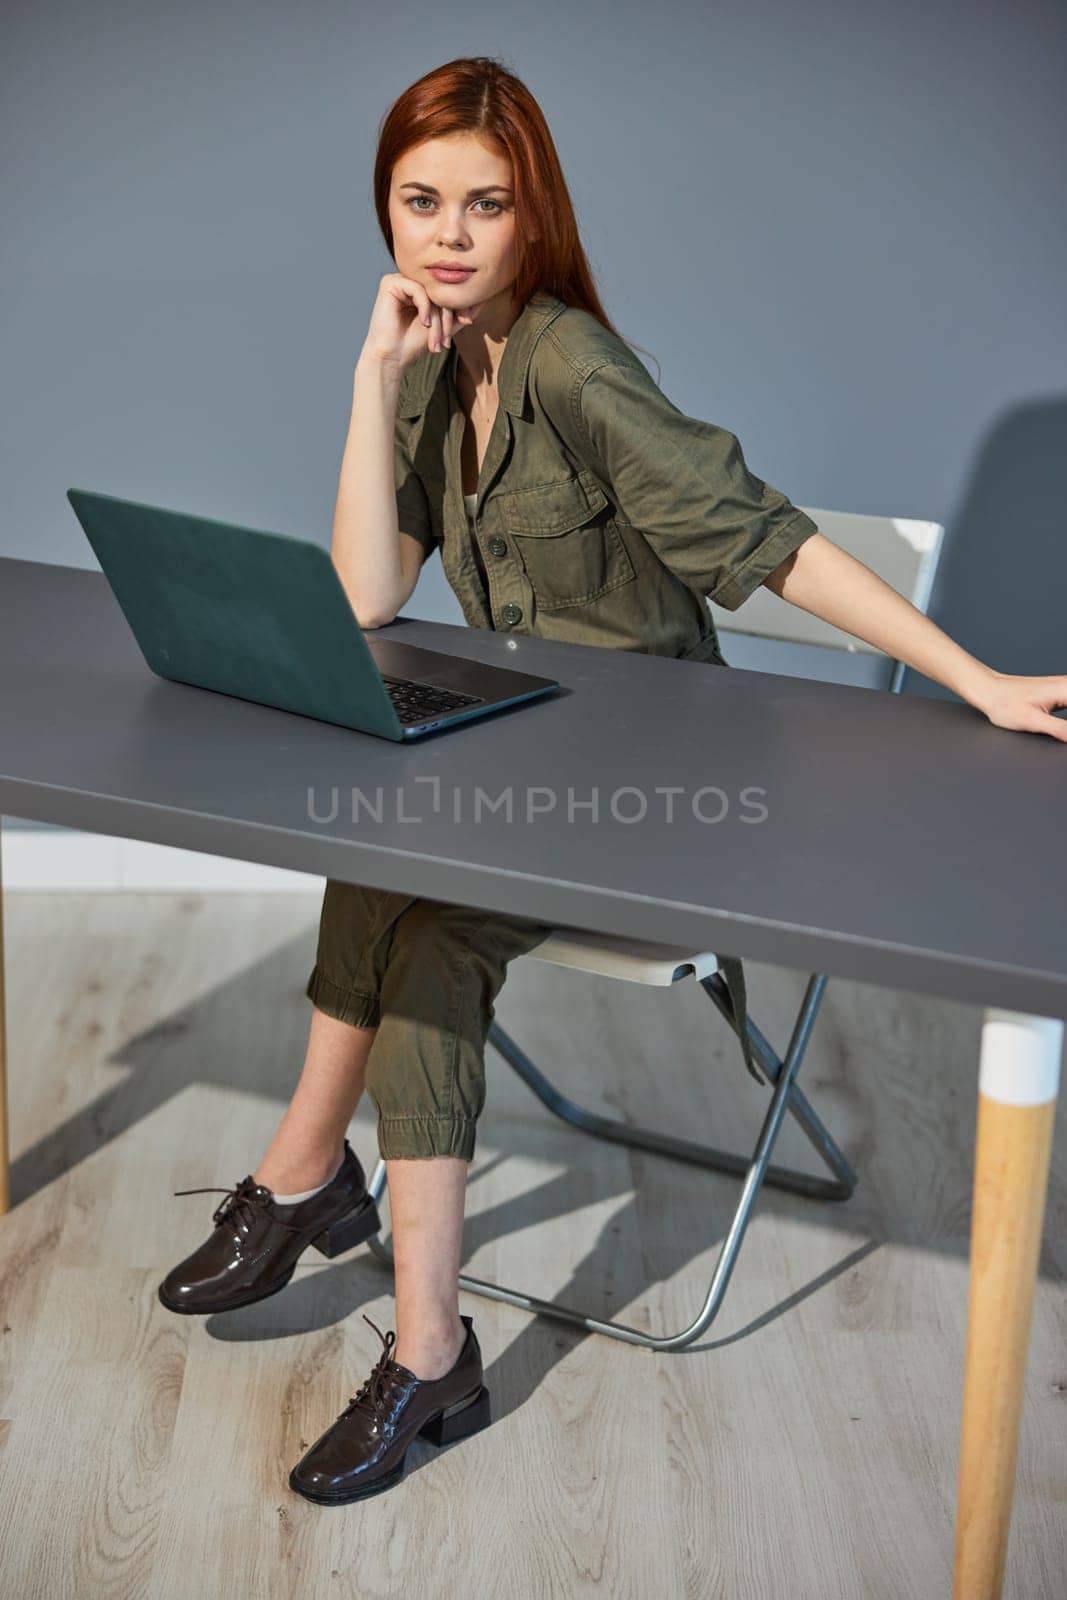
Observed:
{"x":900,"y":550}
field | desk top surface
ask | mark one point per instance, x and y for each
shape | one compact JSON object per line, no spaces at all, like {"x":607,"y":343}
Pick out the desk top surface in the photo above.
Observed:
{"x":896,"y":840}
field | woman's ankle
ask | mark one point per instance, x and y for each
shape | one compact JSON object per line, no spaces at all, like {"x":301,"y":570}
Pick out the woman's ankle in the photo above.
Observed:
{"x":283,"y":1173}
{"x":430,"y":1348}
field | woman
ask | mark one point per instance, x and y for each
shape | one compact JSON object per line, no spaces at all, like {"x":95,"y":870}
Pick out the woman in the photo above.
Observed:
{"x":497,"y":413}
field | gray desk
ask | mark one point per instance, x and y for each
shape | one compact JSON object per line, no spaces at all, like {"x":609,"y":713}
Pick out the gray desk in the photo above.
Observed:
{"x":903,"y":842}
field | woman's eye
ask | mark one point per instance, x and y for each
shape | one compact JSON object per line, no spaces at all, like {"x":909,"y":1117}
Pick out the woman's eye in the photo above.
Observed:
{"x":484,"y":200}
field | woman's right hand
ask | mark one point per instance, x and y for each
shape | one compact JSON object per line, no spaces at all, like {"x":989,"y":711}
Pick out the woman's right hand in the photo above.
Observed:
{"x":405,"y":321}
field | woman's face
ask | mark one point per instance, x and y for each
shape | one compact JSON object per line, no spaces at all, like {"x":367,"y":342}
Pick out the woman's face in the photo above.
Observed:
{"x":451,"y":200}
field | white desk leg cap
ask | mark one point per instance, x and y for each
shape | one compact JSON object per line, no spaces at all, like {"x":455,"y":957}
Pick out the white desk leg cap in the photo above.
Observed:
{"x":1019,"y":1062}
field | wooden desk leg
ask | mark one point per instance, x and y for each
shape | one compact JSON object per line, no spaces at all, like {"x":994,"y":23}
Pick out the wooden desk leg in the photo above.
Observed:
{"x":1018,"y":1083}
{"x":5,"y":1155}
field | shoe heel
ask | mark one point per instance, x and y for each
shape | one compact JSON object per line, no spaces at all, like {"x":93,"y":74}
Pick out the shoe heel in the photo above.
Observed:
{"x":348,"y":1231}
{"x":459,"y":1421}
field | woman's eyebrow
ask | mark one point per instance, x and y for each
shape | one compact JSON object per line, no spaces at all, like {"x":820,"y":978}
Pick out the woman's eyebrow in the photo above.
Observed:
{"x":488,"y":188}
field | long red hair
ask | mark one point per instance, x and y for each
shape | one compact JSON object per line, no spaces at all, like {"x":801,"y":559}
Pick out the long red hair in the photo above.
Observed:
{"x":478,"y":94}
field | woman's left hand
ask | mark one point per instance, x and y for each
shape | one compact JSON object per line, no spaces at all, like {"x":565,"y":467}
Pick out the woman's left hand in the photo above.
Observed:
{"x":1024,"y":703}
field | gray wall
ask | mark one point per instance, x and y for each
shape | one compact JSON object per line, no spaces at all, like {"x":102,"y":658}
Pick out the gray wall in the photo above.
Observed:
{"x":839,"y":227}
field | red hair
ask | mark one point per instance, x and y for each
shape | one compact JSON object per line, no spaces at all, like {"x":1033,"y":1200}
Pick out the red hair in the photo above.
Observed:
{"x":477,"y":94}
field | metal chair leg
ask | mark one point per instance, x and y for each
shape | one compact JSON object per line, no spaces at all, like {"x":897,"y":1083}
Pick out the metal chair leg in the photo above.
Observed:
{"x":785,"y":1095}
{"x":839,"y":1188}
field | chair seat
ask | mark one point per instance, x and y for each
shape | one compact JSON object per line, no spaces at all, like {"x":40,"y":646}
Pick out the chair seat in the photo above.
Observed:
{"x":632,"y":959}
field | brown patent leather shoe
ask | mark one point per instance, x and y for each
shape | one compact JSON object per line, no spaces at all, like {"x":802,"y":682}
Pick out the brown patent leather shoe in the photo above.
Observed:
{"x":256,"y":1243}
{"x":364,"y":1451}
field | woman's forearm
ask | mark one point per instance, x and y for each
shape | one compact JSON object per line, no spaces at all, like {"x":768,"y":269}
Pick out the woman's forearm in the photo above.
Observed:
{"x":365,"y":546}
{"x":822,"y":578}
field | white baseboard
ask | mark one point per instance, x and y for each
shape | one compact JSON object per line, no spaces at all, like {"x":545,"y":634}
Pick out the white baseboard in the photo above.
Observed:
{"x":62,"y":858}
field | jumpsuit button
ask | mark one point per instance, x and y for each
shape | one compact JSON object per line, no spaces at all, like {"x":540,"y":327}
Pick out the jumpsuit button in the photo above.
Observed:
{"x":497,"y":547}
{"x":512,"y":613}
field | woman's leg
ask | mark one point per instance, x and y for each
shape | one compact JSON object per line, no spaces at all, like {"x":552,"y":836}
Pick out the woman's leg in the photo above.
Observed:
{"x":426,"y":1076}
{"x":426,"y":1206}
{"x":355,"y":926}
{"x":416,"y":979}
{"x":309,"y":1144}
{"x":425,"y":1197}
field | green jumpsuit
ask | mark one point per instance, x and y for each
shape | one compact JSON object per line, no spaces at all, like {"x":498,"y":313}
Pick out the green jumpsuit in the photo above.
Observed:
{"x":604,"y":516}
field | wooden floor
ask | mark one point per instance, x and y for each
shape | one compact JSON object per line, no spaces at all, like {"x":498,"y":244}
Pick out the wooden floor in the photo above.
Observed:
{"x":805,"y":1447}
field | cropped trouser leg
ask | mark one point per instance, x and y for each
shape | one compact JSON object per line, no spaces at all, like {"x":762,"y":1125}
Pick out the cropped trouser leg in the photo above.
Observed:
{"x":425,"y":973}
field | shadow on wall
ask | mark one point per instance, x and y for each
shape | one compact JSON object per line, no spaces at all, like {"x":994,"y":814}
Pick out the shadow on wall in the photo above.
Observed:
{"x":1002,"y":578}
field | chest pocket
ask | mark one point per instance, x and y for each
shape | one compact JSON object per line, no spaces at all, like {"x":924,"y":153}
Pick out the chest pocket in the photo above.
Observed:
{"x":566,"y":538}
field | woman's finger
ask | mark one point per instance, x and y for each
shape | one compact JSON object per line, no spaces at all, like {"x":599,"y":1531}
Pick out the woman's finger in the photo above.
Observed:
{"x":1054,"y":725}
{"x":447,"y":317}
{"x":417,"y":295}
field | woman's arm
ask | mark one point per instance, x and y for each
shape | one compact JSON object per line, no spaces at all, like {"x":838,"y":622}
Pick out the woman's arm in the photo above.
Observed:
{"x":377,"y":565}
{"x":377,"y":562}
{"x":724,"y":531}
{"x":828,"y":582}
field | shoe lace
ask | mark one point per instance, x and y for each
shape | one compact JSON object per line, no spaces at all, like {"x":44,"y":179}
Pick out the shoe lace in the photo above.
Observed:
{"x":241,"y":1204}
{"x":374,"y":1392}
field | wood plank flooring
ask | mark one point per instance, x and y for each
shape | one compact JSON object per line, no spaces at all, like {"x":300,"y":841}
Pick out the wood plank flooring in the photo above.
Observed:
{"x":805,"y":1447}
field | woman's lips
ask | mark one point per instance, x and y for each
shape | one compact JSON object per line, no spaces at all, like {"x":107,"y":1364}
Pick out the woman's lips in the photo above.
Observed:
{"x":451,"y":274}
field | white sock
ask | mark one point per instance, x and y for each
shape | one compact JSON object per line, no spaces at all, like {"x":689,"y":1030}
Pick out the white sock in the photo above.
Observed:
{"x":294,"y":1199}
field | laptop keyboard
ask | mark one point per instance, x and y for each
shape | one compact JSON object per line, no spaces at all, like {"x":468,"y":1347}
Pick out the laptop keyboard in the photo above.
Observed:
{"x":413,"y":701}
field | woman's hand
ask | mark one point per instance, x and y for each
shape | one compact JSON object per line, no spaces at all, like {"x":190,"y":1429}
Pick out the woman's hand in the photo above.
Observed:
{"x":1024,"y":703}
{"x":830,"y":583}
{"x":405,"y":321}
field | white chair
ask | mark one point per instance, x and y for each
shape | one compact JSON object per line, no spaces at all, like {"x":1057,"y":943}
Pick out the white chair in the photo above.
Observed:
{"x":765,"y":634}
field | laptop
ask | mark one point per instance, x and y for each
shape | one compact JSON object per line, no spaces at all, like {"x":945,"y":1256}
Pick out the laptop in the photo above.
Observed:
{"x":265,"y":617}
